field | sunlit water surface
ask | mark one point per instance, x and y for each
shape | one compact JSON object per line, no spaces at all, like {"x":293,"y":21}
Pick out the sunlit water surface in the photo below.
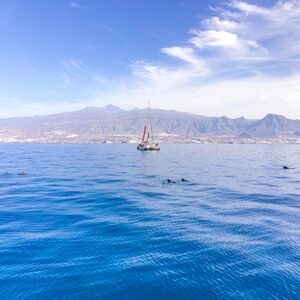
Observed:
{"x":96,"y":222}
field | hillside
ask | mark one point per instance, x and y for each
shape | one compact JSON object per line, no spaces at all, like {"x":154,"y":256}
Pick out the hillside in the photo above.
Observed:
{"x":94,"y":124}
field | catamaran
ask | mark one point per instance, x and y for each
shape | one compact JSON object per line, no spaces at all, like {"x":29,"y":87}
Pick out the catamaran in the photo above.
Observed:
{"x":147,"y":143}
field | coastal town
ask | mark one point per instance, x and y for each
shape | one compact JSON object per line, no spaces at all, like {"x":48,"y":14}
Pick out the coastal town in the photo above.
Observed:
{"x":60,"y":136}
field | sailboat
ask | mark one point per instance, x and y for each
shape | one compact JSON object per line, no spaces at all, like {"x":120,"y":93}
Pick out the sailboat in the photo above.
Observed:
{"x":147,"y":143}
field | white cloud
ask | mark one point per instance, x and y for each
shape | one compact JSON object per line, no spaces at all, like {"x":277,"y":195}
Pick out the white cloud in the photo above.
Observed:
{"x":220,"y":24}
{"x":250,"y":8}
{"x":212,"y":38}
{"x":235,"y":46}
{"x":252,"y":97}
{"x":77,"y":5}
{"x":184,"y":53}
{"x":243,"y":60}
{"x":238,"y":62}
{"x":163,"y":76}
{"x":280,"y":8}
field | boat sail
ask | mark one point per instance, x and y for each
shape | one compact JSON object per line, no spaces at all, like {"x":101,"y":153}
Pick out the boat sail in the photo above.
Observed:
{"x":147,"y":143}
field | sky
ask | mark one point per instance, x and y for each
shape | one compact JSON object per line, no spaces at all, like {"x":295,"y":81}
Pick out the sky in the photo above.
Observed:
{"x":210,"y":57}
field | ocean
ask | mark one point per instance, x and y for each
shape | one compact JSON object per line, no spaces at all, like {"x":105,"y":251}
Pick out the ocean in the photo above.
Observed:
{"x":97,"y":222}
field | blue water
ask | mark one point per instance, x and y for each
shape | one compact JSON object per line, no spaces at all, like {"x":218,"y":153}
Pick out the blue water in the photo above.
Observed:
{"x":96,"y":222}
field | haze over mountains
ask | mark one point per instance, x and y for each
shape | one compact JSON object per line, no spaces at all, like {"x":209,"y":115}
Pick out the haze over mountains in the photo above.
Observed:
{"x":94,"y":124}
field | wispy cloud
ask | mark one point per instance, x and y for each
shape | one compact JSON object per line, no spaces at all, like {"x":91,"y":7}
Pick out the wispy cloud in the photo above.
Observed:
{"x":78,"y":5}
{"x":76,"y":70}
{"x":108,"y":29}
{"x":243,"y":60}
{"x":184,"y":53}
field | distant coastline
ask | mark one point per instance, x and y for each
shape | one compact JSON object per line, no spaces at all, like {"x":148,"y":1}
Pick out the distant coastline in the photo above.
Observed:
{"x":111,"y":124}
{"x":229,"y":142}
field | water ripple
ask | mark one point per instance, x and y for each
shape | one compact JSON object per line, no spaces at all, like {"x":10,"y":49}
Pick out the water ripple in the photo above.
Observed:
{"x":96,"y":222}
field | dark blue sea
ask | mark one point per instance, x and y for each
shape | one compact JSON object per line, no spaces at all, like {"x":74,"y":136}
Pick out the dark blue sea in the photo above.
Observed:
{"x":96,"y":222}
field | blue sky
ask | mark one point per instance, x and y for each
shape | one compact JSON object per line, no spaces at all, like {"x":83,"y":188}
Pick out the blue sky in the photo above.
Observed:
{"x":209,"y":57}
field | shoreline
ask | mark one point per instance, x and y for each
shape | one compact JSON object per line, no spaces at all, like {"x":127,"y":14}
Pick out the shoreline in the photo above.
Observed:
{"x":234,"y":142}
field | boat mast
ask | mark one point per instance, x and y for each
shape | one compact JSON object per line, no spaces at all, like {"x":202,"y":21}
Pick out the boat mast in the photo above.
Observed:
{"x":147,"y":126}
{"x":150,"y":123}
{"x":144,"y":133}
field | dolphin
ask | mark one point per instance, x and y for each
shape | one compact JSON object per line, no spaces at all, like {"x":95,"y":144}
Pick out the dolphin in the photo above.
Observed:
{"x":22,"y":174}
{"x":168,"y":180}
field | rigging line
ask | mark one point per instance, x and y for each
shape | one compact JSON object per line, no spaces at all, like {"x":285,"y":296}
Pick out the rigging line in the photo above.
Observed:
{"x":150,"y":121}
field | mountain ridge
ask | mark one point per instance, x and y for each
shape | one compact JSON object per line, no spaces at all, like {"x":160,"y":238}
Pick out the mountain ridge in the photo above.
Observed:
{"x":96,"y":123}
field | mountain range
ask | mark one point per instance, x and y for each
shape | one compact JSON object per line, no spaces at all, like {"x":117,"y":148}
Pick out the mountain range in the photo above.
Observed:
{"x":95,"y":124}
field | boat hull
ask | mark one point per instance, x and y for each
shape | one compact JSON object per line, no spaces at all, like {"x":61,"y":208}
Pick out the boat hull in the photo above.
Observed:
{"x":148,"y":147}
